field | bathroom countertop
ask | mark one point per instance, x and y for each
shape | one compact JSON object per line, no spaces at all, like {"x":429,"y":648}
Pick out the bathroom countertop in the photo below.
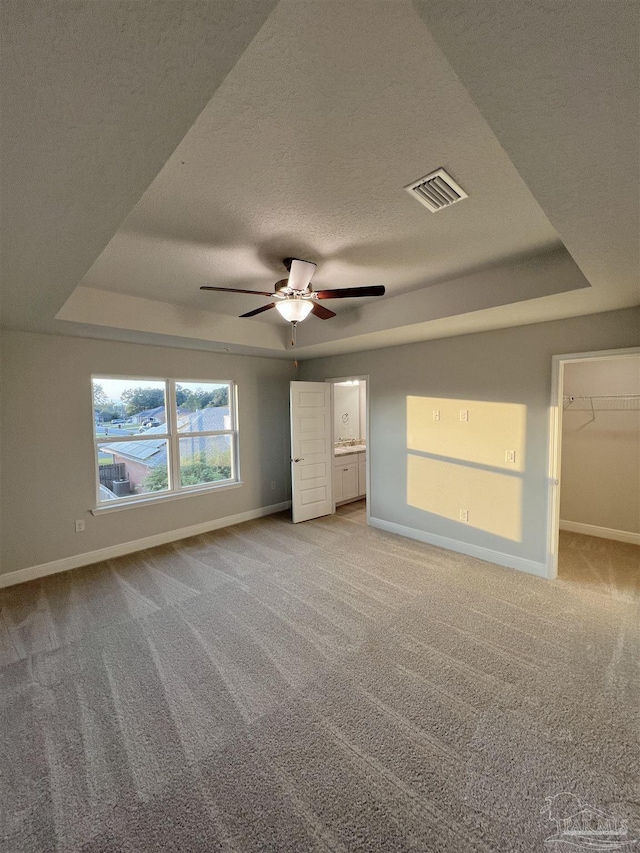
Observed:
{"x":345,"y":451}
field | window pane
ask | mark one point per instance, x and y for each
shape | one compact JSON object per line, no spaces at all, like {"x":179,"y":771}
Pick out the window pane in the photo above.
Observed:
{"x":205,"y":459}
{"x":203,"y":406}
{"x":129,"y":468}
{"x":127,"y":406}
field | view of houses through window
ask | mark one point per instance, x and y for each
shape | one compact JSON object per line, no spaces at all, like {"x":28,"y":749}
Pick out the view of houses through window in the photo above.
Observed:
{"x":162,"y":436}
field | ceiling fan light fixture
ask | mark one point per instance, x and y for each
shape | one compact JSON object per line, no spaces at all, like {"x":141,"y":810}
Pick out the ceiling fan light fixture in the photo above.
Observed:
{"x":294,"y":310}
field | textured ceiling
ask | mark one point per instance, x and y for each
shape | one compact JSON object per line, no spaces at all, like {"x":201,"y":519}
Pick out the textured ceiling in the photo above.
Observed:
{"x":152,"y":150}
{"x":559,"y":84}
{"x":304,"y":151}
{"x":95,"y":97}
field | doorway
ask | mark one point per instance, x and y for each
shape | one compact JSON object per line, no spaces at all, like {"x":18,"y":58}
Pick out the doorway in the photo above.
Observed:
{"x":351,"y":463}
{"x":594,"y":494}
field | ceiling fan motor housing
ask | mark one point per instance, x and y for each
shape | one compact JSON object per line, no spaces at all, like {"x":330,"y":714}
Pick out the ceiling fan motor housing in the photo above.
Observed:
{"x":300,"y":273}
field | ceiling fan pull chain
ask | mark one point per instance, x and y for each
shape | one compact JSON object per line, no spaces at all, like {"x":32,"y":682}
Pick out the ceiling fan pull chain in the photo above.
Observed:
{"x":294,"y":326}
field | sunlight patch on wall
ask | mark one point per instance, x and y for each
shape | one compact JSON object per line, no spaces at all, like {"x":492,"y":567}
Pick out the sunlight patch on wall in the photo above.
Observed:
{"x":491,"y":429}
{"x":465,"y":462}
{"x":492,"y":499}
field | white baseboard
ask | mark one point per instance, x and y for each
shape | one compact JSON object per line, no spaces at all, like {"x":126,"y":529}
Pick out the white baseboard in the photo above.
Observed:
{"x":512,"y":562}
{"x":602,"y":532}
{"x":33,"y":572}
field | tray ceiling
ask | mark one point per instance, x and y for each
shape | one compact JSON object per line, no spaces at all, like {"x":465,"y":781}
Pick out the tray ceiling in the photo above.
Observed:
{"x":299,"y":142}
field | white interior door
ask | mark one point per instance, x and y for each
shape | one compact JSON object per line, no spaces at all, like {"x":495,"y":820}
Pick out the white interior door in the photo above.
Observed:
{"x":311,"y":450}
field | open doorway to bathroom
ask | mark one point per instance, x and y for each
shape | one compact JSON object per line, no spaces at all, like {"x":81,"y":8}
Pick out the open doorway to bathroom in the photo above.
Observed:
{"x":350,"y":446}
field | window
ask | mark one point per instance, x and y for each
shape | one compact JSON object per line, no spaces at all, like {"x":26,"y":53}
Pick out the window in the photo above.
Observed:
{"x":162,"y":437}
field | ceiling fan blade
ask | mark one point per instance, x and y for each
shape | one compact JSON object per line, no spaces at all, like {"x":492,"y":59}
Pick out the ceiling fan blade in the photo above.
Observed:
{"x":236,"y":290}
{"x":350,"y":292}
{"x":259,"y":310}
{"x":321,"y":312}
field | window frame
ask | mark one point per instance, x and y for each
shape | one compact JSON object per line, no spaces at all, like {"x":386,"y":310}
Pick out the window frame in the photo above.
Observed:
{"x":172,"y":437}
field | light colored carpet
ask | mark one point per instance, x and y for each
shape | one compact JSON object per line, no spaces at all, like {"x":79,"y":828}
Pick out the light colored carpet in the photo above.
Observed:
{"x":317,"y":687}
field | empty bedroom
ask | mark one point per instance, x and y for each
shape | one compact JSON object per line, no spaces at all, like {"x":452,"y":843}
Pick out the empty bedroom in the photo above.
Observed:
{"x":320,"y":426}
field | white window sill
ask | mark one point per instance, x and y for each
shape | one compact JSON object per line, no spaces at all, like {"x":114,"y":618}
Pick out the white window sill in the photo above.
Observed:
{"x":116,"y":506}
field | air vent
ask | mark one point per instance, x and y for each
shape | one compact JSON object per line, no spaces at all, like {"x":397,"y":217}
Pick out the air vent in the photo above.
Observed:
{"x":437,"y":191}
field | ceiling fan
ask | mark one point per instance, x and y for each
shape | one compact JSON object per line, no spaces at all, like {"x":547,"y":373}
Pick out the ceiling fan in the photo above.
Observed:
{"x":295,"y":298}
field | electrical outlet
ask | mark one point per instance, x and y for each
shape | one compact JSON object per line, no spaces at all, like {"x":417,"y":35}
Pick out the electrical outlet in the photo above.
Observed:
{"x":464,"y":515}
{"x":464,"y":415}
{"x":273,"y":484}
{"x":510,"y":456}
{"x":436,"y":414}
{"x":79,"y":525}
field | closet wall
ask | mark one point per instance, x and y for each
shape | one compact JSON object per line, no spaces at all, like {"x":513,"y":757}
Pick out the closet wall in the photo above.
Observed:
{"x":600,"y":484}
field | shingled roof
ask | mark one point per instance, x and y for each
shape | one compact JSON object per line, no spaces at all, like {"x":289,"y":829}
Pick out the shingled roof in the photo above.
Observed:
{"x":152,"y":452}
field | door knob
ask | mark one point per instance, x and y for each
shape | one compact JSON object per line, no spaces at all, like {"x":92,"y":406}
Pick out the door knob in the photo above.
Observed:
{"x":298,"y":460}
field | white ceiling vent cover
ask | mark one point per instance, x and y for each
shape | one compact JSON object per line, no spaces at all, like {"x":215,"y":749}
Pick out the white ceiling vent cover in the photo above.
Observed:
{"x":436,"y":191}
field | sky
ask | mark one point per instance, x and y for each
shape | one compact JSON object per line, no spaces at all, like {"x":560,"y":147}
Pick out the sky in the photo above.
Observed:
{"x":113,"y":388}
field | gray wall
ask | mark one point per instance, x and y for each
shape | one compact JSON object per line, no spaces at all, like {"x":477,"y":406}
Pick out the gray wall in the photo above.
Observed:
{"x":47,"y":453}
{"x":508,"y":366}
{"x":601,"y":455}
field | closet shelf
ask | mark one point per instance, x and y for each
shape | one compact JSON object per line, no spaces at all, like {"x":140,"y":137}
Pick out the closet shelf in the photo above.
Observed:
{"x":602,"y":403}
